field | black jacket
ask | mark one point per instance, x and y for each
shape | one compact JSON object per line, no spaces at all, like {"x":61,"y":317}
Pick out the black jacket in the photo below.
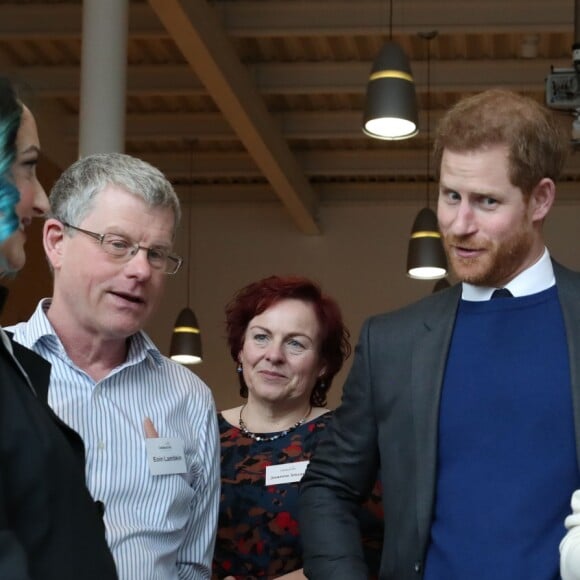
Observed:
{"x":50,"y":527}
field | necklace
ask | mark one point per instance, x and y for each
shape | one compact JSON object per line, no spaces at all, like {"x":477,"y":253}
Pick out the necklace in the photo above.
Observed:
{"x":255,"y":437}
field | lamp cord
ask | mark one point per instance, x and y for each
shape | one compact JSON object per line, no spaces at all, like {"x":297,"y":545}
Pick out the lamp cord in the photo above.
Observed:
{"x":391,"y":20}
{"x":189,"y":225}
{"x":428,"y":121}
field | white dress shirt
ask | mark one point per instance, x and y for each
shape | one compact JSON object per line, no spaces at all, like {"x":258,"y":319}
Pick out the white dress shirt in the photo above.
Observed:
{"x":158,"y":527}
{"x":538,"y":277}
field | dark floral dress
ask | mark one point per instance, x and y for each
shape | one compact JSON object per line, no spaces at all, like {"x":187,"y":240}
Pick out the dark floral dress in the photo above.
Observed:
{"x":258,"y":534}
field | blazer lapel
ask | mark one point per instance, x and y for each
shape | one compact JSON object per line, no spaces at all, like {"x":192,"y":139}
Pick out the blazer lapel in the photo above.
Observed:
{"x":429,"y":359}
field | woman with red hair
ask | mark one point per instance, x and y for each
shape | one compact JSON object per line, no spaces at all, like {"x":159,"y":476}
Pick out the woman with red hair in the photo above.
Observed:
{"x":288,"y":341}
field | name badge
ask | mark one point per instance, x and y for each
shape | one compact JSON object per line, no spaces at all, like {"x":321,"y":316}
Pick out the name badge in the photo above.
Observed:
{"x":165,"y":456}
{"x":285,"y":473}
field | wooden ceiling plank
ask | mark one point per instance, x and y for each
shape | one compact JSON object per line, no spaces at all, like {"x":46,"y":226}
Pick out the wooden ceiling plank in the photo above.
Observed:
{"x":292,"y":79}
{"x":209,"y":127}
{"x":250,"y":19}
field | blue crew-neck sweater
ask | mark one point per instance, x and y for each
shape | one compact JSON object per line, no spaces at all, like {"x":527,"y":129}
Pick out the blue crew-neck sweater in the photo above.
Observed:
{"x":506,"y":448}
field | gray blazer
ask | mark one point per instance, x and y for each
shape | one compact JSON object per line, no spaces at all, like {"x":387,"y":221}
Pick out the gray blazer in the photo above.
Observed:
{"x":390,"y":409}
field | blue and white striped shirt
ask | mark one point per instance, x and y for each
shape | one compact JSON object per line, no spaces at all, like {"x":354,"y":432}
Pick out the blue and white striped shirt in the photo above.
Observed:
{"x":158,"y":527}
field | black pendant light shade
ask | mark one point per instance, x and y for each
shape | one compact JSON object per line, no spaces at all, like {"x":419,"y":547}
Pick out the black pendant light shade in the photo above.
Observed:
{"x":426,"y":258}
{"x":391,"y":103}
{"x":186,"y":339}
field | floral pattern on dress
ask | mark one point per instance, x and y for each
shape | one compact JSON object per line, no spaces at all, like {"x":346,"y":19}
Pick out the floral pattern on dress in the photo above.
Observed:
{"x":258,"y":534}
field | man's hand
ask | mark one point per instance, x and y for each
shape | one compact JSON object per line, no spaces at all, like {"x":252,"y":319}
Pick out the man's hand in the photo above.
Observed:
{"x":149,"y":428}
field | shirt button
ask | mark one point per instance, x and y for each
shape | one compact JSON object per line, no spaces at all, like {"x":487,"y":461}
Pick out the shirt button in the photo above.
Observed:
{"x":418,"y":567}
{"x":101,"y":445}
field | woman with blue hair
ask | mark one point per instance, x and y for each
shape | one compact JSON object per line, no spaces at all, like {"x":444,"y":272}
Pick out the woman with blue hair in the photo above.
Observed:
{"x":21,"y":195}
{"x":50,"y":527}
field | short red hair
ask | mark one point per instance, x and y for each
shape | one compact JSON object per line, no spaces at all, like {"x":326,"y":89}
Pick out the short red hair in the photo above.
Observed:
{"x":258,"y":296}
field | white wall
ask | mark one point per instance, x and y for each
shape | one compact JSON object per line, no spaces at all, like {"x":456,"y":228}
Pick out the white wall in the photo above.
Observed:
{"x":359,"y":259}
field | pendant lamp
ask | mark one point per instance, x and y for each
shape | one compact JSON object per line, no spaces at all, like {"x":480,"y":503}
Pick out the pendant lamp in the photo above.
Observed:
{"x":185,"y":345}
{"x":186,"y":339}
{"x":390,"y":110}
{"x":426,"y":259}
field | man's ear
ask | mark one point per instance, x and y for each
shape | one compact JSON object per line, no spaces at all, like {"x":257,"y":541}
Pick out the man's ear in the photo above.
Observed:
{"x":542,"y":198}
{"x":52,"y":240}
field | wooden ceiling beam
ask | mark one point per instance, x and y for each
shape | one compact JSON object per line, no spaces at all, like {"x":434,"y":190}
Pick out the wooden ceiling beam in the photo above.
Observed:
{"x":197,"y":32}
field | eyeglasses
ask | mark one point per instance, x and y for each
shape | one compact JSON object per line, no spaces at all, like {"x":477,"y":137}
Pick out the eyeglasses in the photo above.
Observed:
{"x":123,"y":249}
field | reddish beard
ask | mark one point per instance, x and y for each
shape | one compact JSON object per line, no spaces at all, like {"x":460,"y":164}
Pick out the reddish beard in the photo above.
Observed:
{"x":497,"y":265}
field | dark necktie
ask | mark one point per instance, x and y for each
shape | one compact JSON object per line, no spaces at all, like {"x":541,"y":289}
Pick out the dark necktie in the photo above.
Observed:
{"x":501,"y":293}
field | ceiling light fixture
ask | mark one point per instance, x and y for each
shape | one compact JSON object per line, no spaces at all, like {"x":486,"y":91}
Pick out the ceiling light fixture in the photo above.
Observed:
{"x":391,"y":103}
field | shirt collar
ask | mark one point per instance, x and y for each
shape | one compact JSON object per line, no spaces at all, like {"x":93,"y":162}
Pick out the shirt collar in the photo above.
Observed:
{"x":39,"y":327}
{"x":538,"y":277}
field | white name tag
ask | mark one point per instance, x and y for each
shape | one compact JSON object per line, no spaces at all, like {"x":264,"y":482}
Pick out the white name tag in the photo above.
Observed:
{"x":165,"y":456}
{"x":285,"y":473}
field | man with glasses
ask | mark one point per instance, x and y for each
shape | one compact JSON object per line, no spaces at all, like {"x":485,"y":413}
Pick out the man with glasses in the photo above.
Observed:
{"x":109,"y":243}
{"x":123,"y":249}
